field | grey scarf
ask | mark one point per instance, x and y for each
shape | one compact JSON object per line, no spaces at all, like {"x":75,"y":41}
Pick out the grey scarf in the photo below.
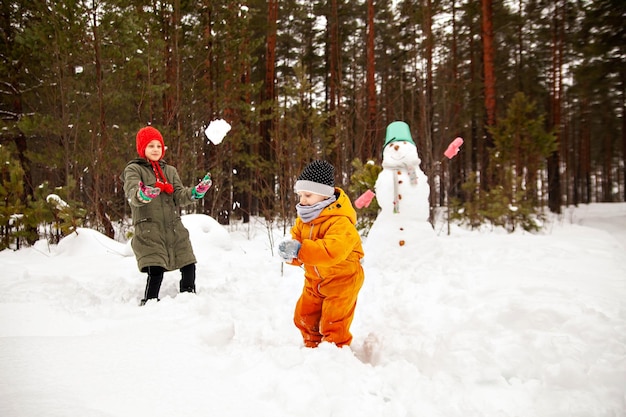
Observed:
{"x":309,"y":213}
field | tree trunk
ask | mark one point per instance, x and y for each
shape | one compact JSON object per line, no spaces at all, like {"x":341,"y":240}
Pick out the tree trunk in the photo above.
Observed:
{"x":489,"y":87}
{"x":207,"y":85}
{"x":334,"y":87}
{"x":585,"y":154}
{"x":428,"y":163}
{"x":554,"y":178}
{"x":371,"y":131}
{"x":169,"y":28}
{"x":607,"y":180}
{"x":456,"y":174}
{"x":100,"y":138}
{"x":268,"y":97}
{"x":623,"y":85}
{"x":247,"y":191}
{"x":227,"y":102}
{"x":474,"y":110}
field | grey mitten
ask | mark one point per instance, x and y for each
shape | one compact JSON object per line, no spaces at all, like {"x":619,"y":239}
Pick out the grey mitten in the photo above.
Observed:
{"x":288,"y":249}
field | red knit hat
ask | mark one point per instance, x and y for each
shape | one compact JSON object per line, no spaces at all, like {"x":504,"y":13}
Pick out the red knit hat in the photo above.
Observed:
{"x":145,"y":136}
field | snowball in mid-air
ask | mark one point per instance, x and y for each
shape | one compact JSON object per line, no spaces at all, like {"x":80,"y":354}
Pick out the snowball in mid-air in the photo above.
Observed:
{"x":217,"y":130}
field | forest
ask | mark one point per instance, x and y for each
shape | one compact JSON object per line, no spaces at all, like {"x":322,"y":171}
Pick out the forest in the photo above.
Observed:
{"x":536,"y":88}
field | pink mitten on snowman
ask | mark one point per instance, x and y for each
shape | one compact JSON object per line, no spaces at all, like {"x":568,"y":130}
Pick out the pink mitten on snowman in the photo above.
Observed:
{"x":453,"y":148}
{"x":364,"y":199}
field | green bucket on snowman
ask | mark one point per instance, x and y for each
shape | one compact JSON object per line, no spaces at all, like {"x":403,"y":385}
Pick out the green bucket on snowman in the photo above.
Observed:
{"x":398,"y":132}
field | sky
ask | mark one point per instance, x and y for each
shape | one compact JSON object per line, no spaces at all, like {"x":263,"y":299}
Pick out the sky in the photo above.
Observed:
{"x":471,"y":323}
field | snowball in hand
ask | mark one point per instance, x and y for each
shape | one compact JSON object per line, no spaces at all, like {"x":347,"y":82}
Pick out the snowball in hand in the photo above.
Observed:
{"x":216,"y":130}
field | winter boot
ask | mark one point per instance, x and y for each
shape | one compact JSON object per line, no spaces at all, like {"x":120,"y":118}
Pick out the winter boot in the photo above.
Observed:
{"x":188,"y":278}
{"x":153,"y":284}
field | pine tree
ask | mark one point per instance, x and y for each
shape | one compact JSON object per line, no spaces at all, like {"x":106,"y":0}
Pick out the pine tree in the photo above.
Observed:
{"x":521,"y":143}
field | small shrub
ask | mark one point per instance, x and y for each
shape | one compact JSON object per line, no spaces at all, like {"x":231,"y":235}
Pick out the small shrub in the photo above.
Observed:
{"x":363,"y":179}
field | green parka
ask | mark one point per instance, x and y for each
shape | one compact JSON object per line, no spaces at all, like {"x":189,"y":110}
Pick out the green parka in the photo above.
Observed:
{"x":160,"y":238}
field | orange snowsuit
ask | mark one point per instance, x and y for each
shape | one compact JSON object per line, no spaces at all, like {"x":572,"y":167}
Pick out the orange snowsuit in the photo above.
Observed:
{"x":330,"y":252}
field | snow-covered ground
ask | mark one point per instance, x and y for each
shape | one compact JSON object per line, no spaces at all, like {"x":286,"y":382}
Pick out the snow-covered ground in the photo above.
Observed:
{"x":470,"y":324}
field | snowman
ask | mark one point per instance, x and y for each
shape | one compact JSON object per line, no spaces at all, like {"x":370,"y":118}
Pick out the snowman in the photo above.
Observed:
{"x":402,"y":192}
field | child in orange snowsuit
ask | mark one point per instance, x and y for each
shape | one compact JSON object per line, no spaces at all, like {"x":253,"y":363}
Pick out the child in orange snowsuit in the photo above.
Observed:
{"x":327,"y":244}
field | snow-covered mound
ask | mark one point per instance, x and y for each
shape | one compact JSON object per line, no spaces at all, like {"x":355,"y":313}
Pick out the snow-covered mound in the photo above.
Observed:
{"x":88,"y":242}
{"x":204,"y":229}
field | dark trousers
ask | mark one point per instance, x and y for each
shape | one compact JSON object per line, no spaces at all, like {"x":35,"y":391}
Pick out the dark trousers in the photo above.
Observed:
{"x":155,"y":278}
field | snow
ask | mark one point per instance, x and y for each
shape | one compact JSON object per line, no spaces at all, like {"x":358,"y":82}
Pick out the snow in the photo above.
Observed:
{"x":217,"y":130}
{"x":467,"y":324}
{"x":57,"y":201}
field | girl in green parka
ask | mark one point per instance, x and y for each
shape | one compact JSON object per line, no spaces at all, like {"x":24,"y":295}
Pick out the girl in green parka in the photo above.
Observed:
{"x":154,"y":191}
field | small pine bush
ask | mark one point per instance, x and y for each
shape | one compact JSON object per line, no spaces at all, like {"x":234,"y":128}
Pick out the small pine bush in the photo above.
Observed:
{"x":26,"y":219}
{"x":363,"y":179}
